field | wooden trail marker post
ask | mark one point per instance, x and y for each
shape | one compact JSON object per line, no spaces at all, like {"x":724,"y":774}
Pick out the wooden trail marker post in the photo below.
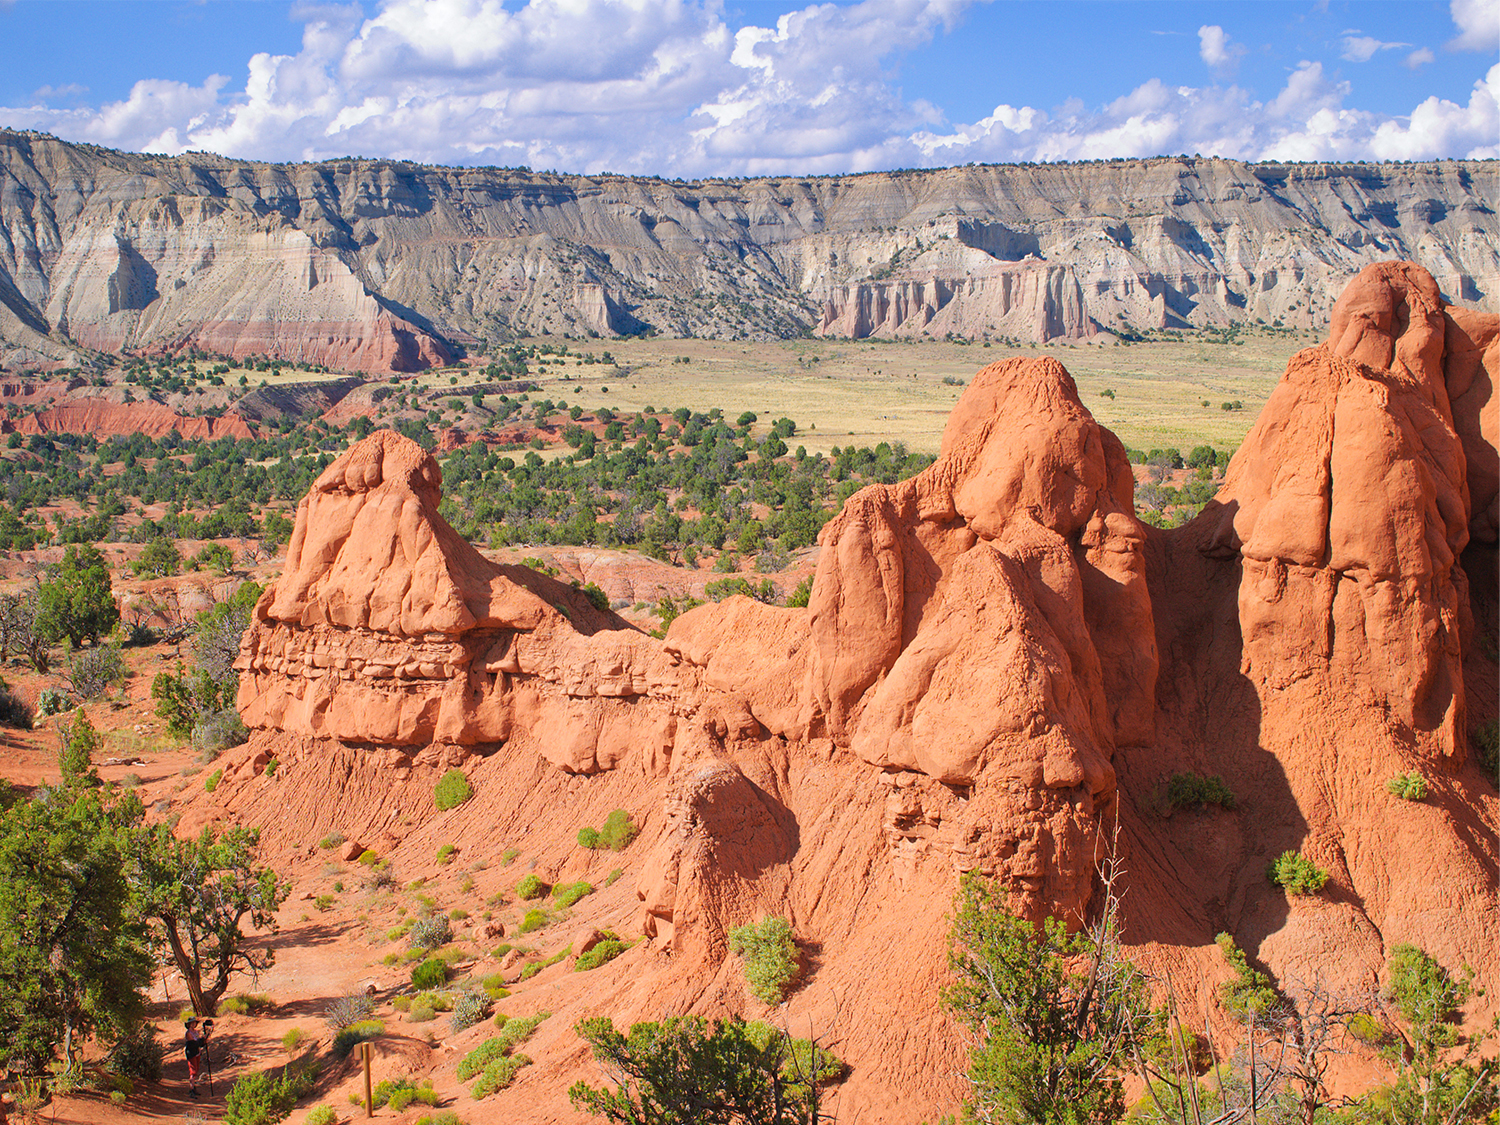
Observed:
{"x":364,"y":1052}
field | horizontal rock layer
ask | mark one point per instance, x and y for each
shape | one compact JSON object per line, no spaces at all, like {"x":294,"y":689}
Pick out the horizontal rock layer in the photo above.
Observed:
{"x":375,"y":265}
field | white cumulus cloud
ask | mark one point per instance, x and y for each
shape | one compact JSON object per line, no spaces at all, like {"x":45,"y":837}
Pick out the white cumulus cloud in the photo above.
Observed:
{"x":668,"y":87}
{"x":1362,"y":48}
{"x":1478,"y":25}
{"x":1418,"y":58}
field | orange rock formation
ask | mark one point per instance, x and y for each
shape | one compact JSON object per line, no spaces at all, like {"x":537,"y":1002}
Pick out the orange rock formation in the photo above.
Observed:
{"x":998,"y":663}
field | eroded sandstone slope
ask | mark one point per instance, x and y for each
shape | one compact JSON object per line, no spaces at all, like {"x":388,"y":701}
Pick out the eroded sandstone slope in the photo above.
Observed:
{"x":998,"y":663}
{"x":381,"y":265}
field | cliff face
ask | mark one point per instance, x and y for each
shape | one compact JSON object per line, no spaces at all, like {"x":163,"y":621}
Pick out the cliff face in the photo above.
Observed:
{"x":998,"y":664}
{"x":377,"y":265}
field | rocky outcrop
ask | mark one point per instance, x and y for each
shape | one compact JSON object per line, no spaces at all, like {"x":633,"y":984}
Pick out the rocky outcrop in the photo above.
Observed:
{"x":105,"y":418}
{"x":998,"y":668}
{"x":373,"y":265}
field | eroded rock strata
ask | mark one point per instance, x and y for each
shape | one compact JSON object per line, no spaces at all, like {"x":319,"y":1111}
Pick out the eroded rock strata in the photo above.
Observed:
{"x":376,"y":265}
{"x":998,"y":663}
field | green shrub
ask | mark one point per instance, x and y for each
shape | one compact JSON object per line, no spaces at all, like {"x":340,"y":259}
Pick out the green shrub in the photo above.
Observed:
{"x":509,"y":856}
{"x":1296,"y":874}
{"x":346,"y":1039}
{"x":498,"y":1075}
{"x":293,"y":1039}
{"x":481,"y":1056}
{"x":212,"y":781}
{"x":606,"y":951}
{"x":535,"y":919}
{"x":1190,"y":790}
{"x":244,"y":1003}
{"x":618,"y":830}
{"x":1251,"y":991}
{"x":430,"y":932}
{"x":322,"y":1115}
{"x":469,"y":1008}
{"x":589,"y":838}
{"x":566,"y":896}
{"x":323,"y":902}
{"x":447,"y":1117}
{"x":137,"y":1054}
{"x":431,"y":973}
{"x":494,"y":986}
{"x":770,"y":957}
{"x":1408,"y":786}
{"x":514,"y":1032}
{"x":259,"y":1099}
{"x":610,"y":879}
{"x":458,"y":914}
{"x":421,"y":1012}
{"x":452,"y":790}
{"x":349,"y":1010}
{"x":530,"y":887}
{"x":271,"y":767}
{"x":445,"y":853}
{"x":368,"y":858}
{"x":1487,"y":747}
{"x":398,"y":1093}
{"x":332,"y":840}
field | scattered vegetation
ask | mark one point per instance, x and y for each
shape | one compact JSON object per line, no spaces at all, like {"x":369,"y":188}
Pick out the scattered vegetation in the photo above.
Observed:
{"x":1296,"y":874}
{"x":770,"y":956}
{"x":568,"y":894}
{"x":1410,"y":786}
{"x":603,"y":952}
{"x":530,"y":887}
{"x":452,"y":790}
{"x":260,"y":1099}
{"x":349,"y":1037}
{"x":431,"y":973}
{"x":1191,"y":790}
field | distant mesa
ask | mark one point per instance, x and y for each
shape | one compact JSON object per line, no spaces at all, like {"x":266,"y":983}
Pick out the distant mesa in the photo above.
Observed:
{"x":380,"y":266}
{"x":999,"y":663}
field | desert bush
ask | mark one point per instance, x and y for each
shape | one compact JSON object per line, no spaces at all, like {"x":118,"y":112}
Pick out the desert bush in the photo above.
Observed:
{"x":589,"y":838}
{"x":498,"y":1075}
{"x":398,"y":1093}
{"x":14,"y":711}
{"x":469,"y":1008}
{"x":1487,"y":747}
{"x":446,"y":853}
{"x":534,"y":920}
{"x":259,"y":1099}
{"x":481,"y":1056}
{"x":514,"y":1032}
{"x":430,"y":932}
{"x":94,"y":671}
{"x":618,"y":830}
{"x":217,"y":731}
{"x":211,"y":782}
{"x":1296,"y":874}
{"x":347,"y":1037}
{"x":322,"y":1115}
{"x":1251,"y":992}
{"x":452,"y":790}
{"x":603,"y":953}
{"x":431,"y":973}
{"x":323,"y":903}
{"x":244,"y":1003}
{"x":447,"y":1117}
{"x":421,"y":1012}
{"x":348,"y":1010}
{"x":1408,"y":786}
{"x":530,"y":887}
{"x":137,"y":1054}
{"x":770,"y":956}
{"x":566,"y":896}
{"x":52,"y":701}
{"x":332,"y":840}
{"x":293,"y":1039}
{"x":1190,"y":790}
{"x":369,"y":857}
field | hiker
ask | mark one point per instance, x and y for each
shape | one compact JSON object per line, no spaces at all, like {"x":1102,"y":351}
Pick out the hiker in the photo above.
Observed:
{"x":195,"y":1046}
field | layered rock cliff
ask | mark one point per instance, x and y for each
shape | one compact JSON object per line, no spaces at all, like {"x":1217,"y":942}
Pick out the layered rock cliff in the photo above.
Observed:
{"x":385,"y":265}
{"x":998,"y":664}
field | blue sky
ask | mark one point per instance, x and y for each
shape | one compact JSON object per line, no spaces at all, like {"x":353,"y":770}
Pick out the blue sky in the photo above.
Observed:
{"x":689,"y":88}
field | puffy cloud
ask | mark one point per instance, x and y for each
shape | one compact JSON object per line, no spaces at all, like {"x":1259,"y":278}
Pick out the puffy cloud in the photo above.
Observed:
{"x":1215,"y":49}
{"x":1418,"y":58}
{"x":1362,"y":48}
{"x":667,"y":87}
{"x":1478,"y":25}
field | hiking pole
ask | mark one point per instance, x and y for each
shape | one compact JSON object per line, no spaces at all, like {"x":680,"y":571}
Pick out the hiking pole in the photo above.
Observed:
{"x":208,"y":1061}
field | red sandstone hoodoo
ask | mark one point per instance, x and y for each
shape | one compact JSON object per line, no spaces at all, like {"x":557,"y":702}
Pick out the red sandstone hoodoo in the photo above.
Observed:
{"x":997,"y":661}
